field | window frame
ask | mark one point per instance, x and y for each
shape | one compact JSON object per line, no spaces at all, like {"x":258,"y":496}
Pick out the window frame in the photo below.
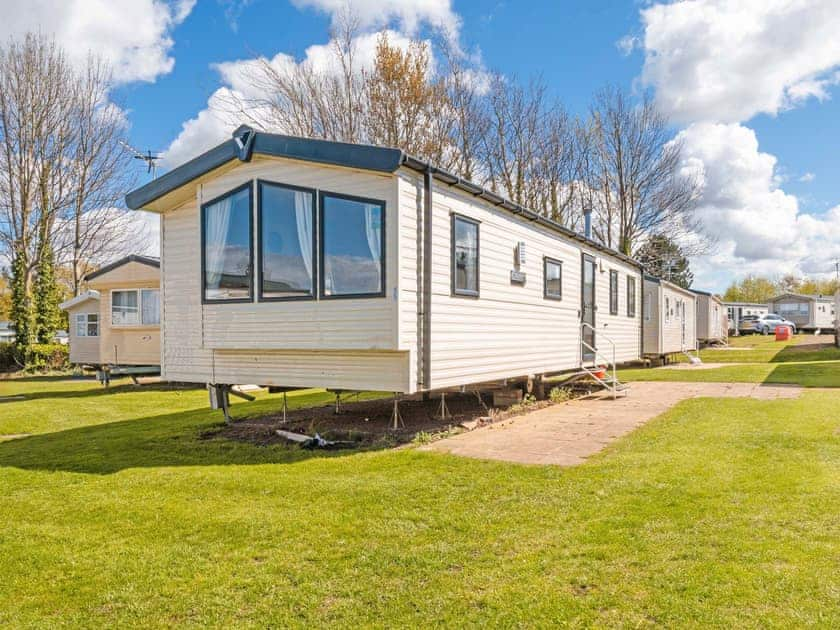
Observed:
{"x":86,"y":325}
{"x":249,"y":186}
{"x":454,"y":291}
{"x":139,"y":292}
{"x":316,"y":238}
{"x":614,"y":291}
{"x":383,"y":255}
{"x":547,"y":260}
{"x":631,"y":303}
{"x":667,"y":310}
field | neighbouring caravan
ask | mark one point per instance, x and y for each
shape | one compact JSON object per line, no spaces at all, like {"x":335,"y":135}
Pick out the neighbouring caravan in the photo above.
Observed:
{"x":736,"y":311}
{"x":293,"y":262}
{"x":116,"y":322}
{"x":808,"y":312}
{"x":711,"y":318}
{"x":837,"y":318}
{"x":669,"y":318}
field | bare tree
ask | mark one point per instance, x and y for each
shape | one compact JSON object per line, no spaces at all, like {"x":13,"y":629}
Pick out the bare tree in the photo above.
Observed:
{"x":633,"y":171}
{"x":91,"y":229}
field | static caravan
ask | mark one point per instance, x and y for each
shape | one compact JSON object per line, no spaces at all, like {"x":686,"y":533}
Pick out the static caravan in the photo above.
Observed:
{"x":669,"y":318}
{"x":711,"y":318}
{"x":808,"y":312}
{"x":293,"y":262}
{"x":116,"y":322}
{"x":736,"y":311}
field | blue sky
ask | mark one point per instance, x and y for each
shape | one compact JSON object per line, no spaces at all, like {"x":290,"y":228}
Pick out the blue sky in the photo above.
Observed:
{"x":749,"y":85}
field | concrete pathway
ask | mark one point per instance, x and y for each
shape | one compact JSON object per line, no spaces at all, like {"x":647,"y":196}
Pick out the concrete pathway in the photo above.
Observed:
{"x":565,"y":435}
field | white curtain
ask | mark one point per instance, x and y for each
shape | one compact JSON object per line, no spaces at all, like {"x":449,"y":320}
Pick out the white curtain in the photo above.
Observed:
{"x":303,"y":216}
{"x":373,"y":231}
{"x":218,"y":221}
{"x":150,"y":307}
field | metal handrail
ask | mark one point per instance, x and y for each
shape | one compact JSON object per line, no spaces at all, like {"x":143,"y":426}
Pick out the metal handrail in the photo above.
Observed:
{"x":597,"y":353}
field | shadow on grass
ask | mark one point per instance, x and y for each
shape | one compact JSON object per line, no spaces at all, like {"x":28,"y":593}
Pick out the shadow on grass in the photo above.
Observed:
{"x":159,"y":441}
{"x":124,"y":387}
{"x":819,"y":374}
{"x":817,"y":351}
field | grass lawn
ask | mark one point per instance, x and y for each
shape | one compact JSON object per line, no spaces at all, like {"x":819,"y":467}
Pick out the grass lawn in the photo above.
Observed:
{"x":814,"y":374}
{"x":765,"y":349}
{"x":118,"y":513}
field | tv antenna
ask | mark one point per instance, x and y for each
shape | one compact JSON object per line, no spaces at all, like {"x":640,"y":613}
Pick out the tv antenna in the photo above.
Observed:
{"x":148,"y":157}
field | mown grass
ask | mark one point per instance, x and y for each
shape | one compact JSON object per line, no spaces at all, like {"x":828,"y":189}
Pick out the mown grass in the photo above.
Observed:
{"x":119,"y":513}
{"x":765,"y":349}
{"x":814,"y":374}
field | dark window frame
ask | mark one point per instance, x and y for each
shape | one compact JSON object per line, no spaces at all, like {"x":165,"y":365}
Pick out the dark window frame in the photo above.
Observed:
{"x":322,"y":195}
{"x":613,"y":292}
{"x":546,"y":262}
{"x":315,"y":243}
{"x":631,"y":301}
{"x":249,"y":186}
{"x":456,"y":292}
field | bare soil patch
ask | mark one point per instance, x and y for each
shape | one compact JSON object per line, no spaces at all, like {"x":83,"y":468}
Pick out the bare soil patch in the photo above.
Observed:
{"x":369,"y":423}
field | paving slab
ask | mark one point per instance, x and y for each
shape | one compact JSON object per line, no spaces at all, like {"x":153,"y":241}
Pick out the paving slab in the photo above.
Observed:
{"x":566,"y":434}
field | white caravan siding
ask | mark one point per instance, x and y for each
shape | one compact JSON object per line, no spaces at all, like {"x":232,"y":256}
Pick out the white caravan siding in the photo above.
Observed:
{"x":336,"y":343}
{"x":83,"y":350}
{"x":510,"y":330}
{"x":710,"y":318}
{"x":676,"y":330}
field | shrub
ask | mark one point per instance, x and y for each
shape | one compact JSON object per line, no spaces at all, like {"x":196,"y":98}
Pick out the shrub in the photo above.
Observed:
{"x":8,"y":354}
{"x":46,"y":357}
{"x":559,"y":394}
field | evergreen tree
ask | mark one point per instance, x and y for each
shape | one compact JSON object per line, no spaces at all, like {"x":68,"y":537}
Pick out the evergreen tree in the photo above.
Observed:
{"x":662,"y":257}
{"x":21,"y":311}
{"x":46,"y":297}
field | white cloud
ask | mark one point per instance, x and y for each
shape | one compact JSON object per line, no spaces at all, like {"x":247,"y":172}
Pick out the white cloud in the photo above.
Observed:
{"x":807,"y":178}
{"x":728,"y":60}
{"x":408,"y":14}
{"x":759,"y":227}
{"x":215,"y":123}
{"x":134,"y":36}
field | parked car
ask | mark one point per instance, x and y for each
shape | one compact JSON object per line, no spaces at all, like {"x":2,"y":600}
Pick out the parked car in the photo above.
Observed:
{"x":764,"y":324}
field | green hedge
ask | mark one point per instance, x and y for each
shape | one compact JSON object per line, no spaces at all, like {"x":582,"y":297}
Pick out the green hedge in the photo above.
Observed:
{"x":46,"y":357}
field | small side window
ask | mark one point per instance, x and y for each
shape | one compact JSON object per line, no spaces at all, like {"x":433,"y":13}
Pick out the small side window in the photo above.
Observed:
{"x":93,"y":325}
{"x":613,"y":292}
{"x":648,"y":306}
{"x":465,"y":255}
{"x":631,"y":296}
{"x":552,"y":279}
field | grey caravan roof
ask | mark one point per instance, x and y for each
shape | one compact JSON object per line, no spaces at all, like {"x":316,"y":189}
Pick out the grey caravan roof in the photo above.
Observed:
{"x":247,"y":141}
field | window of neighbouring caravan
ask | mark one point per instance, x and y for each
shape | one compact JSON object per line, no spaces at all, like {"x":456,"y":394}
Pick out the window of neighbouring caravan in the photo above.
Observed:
{"x":150,"y":307}
{"x":87,"y":324}
{"x":631,"y":297}
{"x":125,"y":308}
{"x":464,"y":256}
{"x":553,"y":279}
{"x":613,"y":292}
{"x":286,"y":241}
{"x":227,"y":247}
{"x":648,"y":306}
{"x":132,"y":307}
{"x":352,"y":246}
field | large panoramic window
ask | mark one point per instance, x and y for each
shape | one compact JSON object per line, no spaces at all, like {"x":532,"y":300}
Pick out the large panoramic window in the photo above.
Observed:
{"x":792,"y":308}
{"x":352,"y":247}
{"x":87,"y":324}
{"x":553,"y":279}
{"x":287,"y":242}
{"x":227,"y":247}
{"x":631,"y":296}
{"x":613,"y":292}
{"x":464,"y":256}
{"x":125,"y":308}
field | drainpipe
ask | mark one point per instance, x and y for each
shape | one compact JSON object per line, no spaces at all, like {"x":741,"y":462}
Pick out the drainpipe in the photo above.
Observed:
{"x":426,"y":297}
